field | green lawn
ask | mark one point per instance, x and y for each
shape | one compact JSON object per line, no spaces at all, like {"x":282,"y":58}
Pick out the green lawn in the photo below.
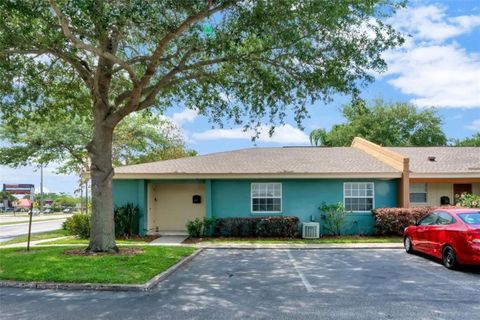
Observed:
{"x":37,"y":236}
{"x":50,"y":264}
{"x":73,"y":240}
{"x":324,"y":240}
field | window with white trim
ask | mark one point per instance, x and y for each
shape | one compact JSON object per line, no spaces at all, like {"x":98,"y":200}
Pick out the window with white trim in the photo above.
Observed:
{"x":358,"y":196}
{"x":266,"y":197}
{"x":418,"y":192}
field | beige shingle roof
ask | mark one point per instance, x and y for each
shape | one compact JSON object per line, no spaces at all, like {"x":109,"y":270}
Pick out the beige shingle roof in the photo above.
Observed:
{"x":289,"y":160}
{"x":447,"y":159}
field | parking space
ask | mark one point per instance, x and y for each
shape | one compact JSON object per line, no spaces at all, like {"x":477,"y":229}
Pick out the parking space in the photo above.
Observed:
{"x":275,"y":284}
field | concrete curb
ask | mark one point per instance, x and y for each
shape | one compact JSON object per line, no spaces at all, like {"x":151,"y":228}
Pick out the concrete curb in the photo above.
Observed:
{"x":304,"y":246}
{"x":102,"y":286}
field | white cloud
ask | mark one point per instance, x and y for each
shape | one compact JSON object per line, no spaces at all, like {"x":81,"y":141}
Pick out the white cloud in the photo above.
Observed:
{"x":285,"y":134}
{"x":431,"y":23}
{"x":434,"y":72}
{"x":438,"y":75}
{"x":475,"y":125}
{"x":186,"y":115}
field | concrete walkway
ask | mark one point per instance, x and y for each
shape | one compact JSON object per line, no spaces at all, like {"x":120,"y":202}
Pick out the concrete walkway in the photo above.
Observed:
{"x":168,"y":240}
{"x":177,"y":240}
{"x":32,"y":243}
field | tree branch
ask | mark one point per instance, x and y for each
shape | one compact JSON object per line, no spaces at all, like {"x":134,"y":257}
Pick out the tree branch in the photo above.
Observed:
{"x":162,"y":44}
{"x":151,"y":91}
{"x":78,"y":64}
{"x":81,"y":45}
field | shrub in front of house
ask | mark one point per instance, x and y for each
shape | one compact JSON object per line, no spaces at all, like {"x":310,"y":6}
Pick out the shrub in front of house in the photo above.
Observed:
{"x":235,"y":227}
{"x":200,"y":228}
{"x":277,"y":227}
{"x":392,"y":221}
{"x":126,"y":220}
{"x":333,"y":216}
{"x":468,"y":200}
{"x":78,"y":225}
{"x":257,"y":227}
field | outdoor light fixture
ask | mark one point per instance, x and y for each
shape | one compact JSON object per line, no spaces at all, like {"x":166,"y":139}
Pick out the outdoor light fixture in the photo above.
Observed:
{"x":197,"y":199}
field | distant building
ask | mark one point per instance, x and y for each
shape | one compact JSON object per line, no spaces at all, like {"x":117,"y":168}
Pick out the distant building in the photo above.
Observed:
{"x":23,"y":204}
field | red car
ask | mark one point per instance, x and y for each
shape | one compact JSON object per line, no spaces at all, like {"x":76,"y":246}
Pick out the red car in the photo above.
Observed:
{"x":452,"y":235}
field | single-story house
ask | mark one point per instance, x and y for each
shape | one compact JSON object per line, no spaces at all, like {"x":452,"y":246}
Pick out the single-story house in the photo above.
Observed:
{"x":294,"y":181}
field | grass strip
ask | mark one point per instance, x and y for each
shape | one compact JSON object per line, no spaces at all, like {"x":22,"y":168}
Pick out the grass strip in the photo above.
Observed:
{"x":323,"y":240}
{"x":50,"y":264}
{"x":37,"y":236}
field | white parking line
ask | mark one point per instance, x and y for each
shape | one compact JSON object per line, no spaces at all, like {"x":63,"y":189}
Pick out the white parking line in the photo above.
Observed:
{"x":307,"y":284}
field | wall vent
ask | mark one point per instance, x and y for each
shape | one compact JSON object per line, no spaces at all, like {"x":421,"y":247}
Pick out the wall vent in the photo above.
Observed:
{"x":311,"y":230}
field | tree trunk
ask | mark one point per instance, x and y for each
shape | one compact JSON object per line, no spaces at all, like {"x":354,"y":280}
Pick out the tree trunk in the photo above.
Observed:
{"x":102,"y":237}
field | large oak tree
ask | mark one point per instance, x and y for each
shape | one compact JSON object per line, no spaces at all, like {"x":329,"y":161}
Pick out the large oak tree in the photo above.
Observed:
{"x":248,"y":61}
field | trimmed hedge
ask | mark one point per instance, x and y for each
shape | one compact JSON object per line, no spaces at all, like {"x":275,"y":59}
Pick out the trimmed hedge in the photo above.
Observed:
{"x":257,"y":227}
{"x":392,"y":221}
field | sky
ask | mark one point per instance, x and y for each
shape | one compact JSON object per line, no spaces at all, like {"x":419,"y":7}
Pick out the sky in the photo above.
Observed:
{"x":439,"y":65}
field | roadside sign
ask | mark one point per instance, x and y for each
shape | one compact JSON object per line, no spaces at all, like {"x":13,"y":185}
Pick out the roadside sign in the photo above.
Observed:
{"x":18,"y":188}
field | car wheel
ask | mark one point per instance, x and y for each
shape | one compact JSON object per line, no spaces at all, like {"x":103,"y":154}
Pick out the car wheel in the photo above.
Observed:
{"x":449,"y":257}
{"x":407,"y":243}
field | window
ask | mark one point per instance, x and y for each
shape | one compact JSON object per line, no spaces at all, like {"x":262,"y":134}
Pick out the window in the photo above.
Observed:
{"x":358,"y":196}
{"x":418,"y":192}
{"x":266,"y":197}
{"x":444,"y":218}
{"x":471,"y":217}
{"x":428,"y":220}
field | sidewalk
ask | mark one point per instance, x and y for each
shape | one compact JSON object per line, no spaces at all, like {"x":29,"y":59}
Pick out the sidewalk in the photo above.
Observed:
{"x":232,"y":245}
{"x":32,"y":243}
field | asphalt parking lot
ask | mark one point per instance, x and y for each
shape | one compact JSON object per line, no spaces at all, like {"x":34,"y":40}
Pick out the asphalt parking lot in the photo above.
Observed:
{"x":275,"y":284}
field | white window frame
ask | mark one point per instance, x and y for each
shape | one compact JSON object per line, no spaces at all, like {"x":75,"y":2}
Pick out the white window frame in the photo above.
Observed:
{"x":266,"y":197}
{"x":426,"y":192}
{"x":359,"y":197}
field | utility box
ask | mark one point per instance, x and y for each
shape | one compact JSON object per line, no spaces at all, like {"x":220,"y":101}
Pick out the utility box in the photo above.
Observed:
{"x":311,"y":230}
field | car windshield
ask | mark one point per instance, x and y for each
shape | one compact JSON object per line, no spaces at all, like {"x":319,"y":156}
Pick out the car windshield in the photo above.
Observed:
{"x":471,"y":217}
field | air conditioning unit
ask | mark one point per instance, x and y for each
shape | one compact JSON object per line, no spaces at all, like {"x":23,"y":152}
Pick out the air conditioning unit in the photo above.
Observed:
{"x":311,"y":230}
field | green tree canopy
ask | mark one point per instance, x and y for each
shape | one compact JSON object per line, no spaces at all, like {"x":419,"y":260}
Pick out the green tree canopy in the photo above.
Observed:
{"x":266,"y":56}
{"x":141,"y":137}
{"x":7,"y":196}
{"x":473,"y":141}
{"x":388,"y":124}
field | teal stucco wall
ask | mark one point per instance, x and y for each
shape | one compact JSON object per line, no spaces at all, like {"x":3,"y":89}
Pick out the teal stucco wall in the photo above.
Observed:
{"x":300,"y":197}
{"x":132,"y":191}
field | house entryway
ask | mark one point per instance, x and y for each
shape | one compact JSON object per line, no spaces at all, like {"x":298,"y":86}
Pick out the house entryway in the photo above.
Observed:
{"x":170,"y":206}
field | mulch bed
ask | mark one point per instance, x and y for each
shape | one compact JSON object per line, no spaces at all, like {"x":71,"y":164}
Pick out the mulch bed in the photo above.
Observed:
{"x":148,"y":238}
{"x":121,"y":252}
